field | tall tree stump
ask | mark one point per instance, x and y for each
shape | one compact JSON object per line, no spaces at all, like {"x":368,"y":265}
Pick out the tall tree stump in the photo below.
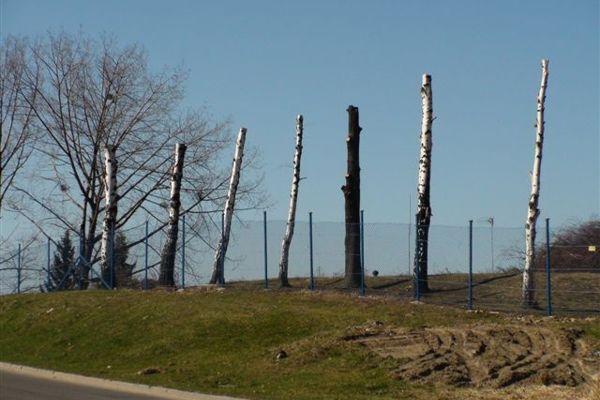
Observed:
{"x":528,"y":290}
{"x":351,"y":192}
{"x":423,"y":217}
{"x":291,"y":221}
{"x":167,"y":259}
{"x":218,"y":275}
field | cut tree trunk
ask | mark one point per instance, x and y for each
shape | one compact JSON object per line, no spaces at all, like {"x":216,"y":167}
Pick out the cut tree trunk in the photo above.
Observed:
{"x":167,"y":260}
{"x":423,"y":217}
{"x":218,"y":266}
{"x":289,"y":231}
{"x":110,"y":216}
{"x":351,"y":192}
{"x":528,"y":295}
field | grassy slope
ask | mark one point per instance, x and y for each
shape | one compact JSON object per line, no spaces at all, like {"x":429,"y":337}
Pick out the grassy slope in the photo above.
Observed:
{"x":575,"y":293}
{"x":222,"y":342}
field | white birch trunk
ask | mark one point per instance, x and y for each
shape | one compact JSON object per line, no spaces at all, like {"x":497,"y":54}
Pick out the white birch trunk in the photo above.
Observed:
{"x":423,"y":185}
{"x":533,"y":211}
{"x":110,"y":214}
{"x":218,"y":275}
{"x":291,"y":221}
{"x":167,"y":262}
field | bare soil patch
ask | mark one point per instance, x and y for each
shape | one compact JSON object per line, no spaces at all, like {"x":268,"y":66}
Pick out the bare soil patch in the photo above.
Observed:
{"x":490,"y":355}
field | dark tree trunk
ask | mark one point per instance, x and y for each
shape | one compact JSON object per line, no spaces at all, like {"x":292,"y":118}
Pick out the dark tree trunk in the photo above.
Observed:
{"x":421,"y":251}
{"x":352,"y":200}
{"x":91,"y":200}
{"x":167,"y":259}
{"x":83,"y":268}
{"x":87,"y":252}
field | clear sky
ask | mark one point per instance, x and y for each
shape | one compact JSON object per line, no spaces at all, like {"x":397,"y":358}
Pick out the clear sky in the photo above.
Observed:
{"x":262,"y":62}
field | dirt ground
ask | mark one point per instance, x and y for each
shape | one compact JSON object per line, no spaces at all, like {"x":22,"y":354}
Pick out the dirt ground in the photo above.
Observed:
{"x":490,"y":356}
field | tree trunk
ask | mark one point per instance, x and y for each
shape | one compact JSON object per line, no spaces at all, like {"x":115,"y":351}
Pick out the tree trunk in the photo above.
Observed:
{"x":110,"y":214}
{"x":167,"y":259}
{"x":423,"y":217}
{"x":218,"y":275}
{"x":352,"y":201}
{"x":533,"y":211}
{"x":87,"y":251}
{"x":289,"y":231}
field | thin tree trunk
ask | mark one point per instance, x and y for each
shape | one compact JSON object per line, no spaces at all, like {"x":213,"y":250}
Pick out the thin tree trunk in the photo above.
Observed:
{"x":110,"y":213}
{"x":88,"y":251}
{"x":352,"y":201}
{"x":533,"y":211}
{"x":91,"y":201}
{"x":423,"y":217}
{"x":289,"y":231}
{"x":218,"y":274}
{"x":167,"y":259}
{"x":79,"y":256}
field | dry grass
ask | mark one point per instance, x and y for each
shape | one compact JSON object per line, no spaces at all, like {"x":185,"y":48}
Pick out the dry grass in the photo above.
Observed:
{"x":574,"y":293}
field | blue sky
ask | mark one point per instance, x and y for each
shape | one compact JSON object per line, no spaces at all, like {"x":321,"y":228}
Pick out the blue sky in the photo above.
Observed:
{"x":262,"y":62}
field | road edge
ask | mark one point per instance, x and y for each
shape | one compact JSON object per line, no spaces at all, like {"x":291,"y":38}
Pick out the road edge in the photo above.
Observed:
{"x":99,"y":383}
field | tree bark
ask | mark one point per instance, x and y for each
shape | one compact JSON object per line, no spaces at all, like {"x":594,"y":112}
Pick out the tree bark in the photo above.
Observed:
{"x":351,"y":192}
{"x":423,"y":217}
{"x":291,"y":221}
{"x":110,"y":213}
{"x":218,"y":270}
{"x":528,"y":294}
{"x":167,"y":260}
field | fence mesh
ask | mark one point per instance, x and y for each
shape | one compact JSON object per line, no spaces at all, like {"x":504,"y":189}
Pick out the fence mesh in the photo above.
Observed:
{"x":497,"y":260}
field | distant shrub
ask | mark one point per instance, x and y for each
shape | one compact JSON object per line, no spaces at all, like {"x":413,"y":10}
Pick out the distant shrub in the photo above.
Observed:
{"x":575,"y":247}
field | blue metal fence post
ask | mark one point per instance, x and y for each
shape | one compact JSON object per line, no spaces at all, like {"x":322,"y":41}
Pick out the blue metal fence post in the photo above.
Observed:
{"x":183,"y":251}
{"x":19,"y":269}
{"x":417,"y":268}
{"x":548,"y":281}
{"x":310,"y":248}
{"x":362,"y":252}
{"x":265,"y":249}
{"x":48,"y":274}
{"x":146,"y":258}
{"x":470,"y":295}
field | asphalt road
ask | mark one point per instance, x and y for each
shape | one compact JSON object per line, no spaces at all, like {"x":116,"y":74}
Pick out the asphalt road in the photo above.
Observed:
{"x":14,"y":386}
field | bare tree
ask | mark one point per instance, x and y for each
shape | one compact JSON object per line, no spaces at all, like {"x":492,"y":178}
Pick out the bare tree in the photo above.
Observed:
{"x":575,"y":248}
{"x":291,"y":221}
{"x":16,"y":128}
{"x":92,"y":94}
{"x":218,"y":275}
{"x":423,"y":217}
{"x":351,"y":192}
{"x":167,"y":261}
{"x":528,"y":295}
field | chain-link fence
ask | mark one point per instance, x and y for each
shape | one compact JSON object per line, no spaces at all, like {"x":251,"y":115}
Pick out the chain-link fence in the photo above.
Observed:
{"x":472,"y":267}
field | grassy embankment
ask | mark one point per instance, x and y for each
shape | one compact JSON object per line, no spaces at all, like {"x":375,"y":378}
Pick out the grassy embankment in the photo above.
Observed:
{"x":575,"y":293}
{"x":225,"y":342}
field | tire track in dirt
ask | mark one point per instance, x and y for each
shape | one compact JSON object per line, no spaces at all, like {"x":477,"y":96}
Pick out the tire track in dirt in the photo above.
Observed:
{"x":484,"y":356}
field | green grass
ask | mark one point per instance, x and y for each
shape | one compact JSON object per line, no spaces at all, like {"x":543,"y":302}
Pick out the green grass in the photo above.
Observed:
{"x":222,"y":342}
